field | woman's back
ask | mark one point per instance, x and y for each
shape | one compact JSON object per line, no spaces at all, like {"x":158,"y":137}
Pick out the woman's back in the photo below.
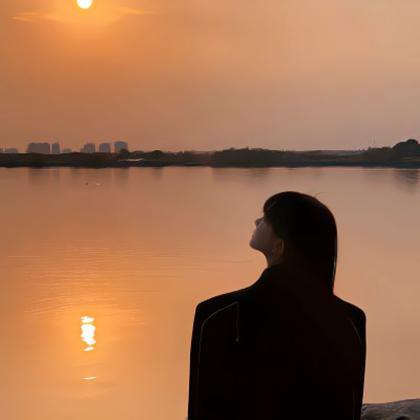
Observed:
{"x":285,"y":347}
{"x":272,"y":351}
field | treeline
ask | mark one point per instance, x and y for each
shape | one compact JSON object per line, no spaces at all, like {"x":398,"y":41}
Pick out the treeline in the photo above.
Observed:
{"x":403,"y":153}
{"x":76,"y":159}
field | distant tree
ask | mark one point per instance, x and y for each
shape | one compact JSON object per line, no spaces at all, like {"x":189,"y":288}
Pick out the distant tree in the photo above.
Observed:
{"x":124,"y":154}
{"x":410,"y":147}
{"x":156,"y":154}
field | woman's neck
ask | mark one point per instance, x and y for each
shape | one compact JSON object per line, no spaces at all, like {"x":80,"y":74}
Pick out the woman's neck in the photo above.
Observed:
{"x":273,"y":261}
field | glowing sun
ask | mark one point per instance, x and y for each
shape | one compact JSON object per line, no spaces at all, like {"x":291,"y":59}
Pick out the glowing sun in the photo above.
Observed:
{"x":85,"y":4}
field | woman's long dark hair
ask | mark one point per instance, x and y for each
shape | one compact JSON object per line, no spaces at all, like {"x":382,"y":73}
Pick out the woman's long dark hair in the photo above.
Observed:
{"x":310,"y":233}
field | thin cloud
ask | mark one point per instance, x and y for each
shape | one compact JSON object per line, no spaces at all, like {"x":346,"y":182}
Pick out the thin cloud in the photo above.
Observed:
{"x":35,"y":16}
{"x":105,"y":16}
{"x":134,"y":11}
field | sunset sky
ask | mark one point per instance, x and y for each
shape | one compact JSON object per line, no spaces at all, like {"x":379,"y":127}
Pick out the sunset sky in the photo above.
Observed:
{"x":210,"y":74}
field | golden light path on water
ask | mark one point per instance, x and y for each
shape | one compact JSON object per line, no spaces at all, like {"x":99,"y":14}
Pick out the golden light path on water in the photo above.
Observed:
{"x":88,"y":337}
{"x":88,"y":332}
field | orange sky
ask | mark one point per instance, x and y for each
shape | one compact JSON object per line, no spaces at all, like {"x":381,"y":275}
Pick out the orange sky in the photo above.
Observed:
{"x":210,"y":74}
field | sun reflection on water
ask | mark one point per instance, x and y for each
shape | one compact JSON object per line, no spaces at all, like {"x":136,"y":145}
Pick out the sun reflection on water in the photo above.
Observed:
{"x":88,"y":332}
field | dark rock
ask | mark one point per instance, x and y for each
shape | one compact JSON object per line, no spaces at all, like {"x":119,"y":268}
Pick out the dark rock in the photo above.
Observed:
{"x":395,"y":410}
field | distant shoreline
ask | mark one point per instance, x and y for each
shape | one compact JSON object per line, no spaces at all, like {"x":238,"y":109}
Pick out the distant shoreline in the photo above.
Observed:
{"x":396,"y":165}
{"x":402,"y":155}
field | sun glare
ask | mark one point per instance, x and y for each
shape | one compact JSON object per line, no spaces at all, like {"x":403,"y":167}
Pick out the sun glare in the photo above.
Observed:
{"x":85,"y":4}
{"x":88,"y":332}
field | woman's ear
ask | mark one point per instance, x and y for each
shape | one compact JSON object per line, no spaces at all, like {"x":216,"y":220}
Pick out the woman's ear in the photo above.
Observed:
{"x":278,"y":248}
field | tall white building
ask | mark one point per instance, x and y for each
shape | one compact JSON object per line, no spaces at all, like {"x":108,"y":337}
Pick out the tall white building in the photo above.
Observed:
{"x":41,"y":147}
{"x":105,"y":147}
{"x":55,"y":148}
{"x":88,"y":148}
{"x":120,"y":145}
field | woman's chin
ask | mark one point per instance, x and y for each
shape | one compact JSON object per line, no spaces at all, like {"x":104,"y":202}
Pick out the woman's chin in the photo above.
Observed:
{"x":252,"y":244}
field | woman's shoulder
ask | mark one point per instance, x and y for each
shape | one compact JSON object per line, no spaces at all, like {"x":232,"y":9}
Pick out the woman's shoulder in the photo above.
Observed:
{"x":222,"y":302}
{"x":354,"y":311}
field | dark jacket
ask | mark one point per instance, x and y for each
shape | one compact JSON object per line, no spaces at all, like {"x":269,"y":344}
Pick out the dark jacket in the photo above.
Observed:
{"x":280,"y":349}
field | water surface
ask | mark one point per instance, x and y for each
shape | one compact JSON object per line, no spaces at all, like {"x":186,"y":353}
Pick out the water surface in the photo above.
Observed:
{"x":101,"y":270}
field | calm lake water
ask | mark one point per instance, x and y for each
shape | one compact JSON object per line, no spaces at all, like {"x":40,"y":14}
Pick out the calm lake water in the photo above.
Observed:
{"x":101,"y":271}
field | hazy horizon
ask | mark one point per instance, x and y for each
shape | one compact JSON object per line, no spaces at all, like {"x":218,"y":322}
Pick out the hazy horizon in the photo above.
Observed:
{"x":325,"y":75}
{"x":78,"y":148}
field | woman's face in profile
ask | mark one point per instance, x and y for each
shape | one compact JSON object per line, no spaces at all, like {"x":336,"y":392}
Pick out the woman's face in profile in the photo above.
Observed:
{"x":263,"y":237}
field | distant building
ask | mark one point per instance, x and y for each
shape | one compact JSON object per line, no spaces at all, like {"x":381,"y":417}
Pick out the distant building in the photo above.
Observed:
{"x":105,"y":147}
{"x":120,"y":145}
{"x":43,"y":148}
{"x":88,"y":148}
{"x":11,"y":150}
{"x":55,"y":148}
{"x":66,"y":151}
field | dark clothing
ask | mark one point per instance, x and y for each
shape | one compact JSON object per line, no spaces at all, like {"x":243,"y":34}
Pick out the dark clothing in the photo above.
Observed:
{"x":280,"y":349}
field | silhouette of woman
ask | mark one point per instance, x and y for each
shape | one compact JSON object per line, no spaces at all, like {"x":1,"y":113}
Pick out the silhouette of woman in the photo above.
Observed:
{"x":285,"y":347}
